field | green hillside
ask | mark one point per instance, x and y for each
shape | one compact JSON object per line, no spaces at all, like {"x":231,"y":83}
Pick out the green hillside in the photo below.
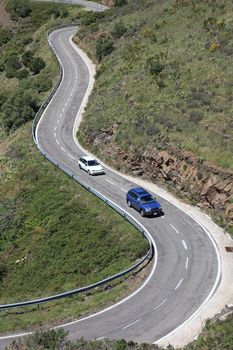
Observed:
{"x":168,"y":77}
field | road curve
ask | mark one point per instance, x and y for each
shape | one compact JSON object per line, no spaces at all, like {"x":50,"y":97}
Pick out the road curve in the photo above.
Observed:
{"x":188,"y":268}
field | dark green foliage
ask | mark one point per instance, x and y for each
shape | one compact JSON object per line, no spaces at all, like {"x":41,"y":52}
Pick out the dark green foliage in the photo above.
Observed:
{"x":119,"y":29}
{"x":10,"y":72}
{"x":19,"y":8}
{"x":36,"y":65}
{"x":154,"y":65}
{"x":119,"y":3}
{"x":12,"y":61}
{"x":2,"y":67}
{"x":22,"y":74}
{"x":27,"y":58}
{"x":104,"y":47}
{"x":19,"y":108}
{"x":42,"y":83}
{"x":5,"y":35}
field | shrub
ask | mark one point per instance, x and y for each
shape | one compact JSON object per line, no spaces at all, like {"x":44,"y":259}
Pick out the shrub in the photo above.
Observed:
{"x":10,"y":72}
{"x":154,"y":65}
{"x":119,"y":3}
{"x":43,"y":84}
{"x":22,"y":74}
{"x":27,"y":58}
{"x":37,"y":65}
{"x":12,"y":61}
{"x":119,"y":29}
{"x":5,"y":35}
{"x":104,"y":46}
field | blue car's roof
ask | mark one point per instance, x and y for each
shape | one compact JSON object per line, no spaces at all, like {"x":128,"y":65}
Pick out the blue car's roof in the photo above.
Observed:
{"x":139,"y":190}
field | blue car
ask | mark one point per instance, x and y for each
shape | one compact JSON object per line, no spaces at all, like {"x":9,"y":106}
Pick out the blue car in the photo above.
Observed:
{"x":143,"y":202}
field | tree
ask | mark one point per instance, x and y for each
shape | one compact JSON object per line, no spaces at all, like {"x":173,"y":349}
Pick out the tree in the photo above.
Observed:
{"x":37,"y":65}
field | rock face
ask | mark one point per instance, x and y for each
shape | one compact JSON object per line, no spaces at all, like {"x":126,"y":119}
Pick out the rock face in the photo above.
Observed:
{"x":206,"y":185}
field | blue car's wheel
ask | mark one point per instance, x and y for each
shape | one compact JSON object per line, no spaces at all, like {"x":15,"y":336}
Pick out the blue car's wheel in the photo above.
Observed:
{"x":142,"y":212}
{"x":129,"y":203}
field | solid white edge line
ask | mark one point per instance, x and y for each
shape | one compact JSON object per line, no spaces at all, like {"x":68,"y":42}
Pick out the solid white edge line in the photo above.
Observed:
{"x":218,"y":276}
{"x":100,"y":338}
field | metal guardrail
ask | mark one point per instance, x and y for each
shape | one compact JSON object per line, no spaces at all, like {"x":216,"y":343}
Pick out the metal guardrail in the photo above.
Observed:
{"x":121,"y":211}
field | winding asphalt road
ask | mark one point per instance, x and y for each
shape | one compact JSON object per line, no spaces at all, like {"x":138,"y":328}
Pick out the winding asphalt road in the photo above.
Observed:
{"x":187,"y":272}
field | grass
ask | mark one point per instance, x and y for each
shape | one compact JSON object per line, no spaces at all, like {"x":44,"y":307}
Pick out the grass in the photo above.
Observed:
{"x":55,"y":236}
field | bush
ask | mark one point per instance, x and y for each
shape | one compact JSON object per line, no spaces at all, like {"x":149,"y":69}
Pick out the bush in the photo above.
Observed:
{"x":104,"y":46}
{"x":43,"y":84}
{"x":119,"y":29}
{"x":22,"y":74}
{"x":120,"y":3}
{"x":154,"y":66}
{"x":27,"y":58}
{"x":12,"y":61}
{"x":5,"y":35}
{"x":10,"y":72}
{"x":37,"y":65}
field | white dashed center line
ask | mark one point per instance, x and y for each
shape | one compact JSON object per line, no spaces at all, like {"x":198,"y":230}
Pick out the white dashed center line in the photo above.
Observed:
{"x":63,"y":149}
{"x":164,"y":301}
{"x":123,"y":189}
{"x":184,"y":244}
{"x":174,"y":229}
{"x":187,"y":262}
{"x":110,"y":182}
{"x":57,"y":142}
{"x":178,"y":285}
{"x":131,"y":324}
{"x":70,"y":156}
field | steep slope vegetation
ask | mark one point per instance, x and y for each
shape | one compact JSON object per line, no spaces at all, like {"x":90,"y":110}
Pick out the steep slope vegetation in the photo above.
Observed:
{"x":162,"y":105}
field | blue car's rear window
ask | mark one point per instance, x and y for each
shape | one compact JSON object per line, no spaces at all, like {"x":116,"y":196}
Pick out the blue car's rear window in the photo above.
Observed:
{"x":147,"y":199}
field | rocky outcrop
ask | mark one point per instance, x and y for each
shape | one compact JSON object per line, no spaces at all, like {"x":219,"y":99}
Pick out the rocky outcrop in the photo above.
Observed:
{"x":206,"y":185}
